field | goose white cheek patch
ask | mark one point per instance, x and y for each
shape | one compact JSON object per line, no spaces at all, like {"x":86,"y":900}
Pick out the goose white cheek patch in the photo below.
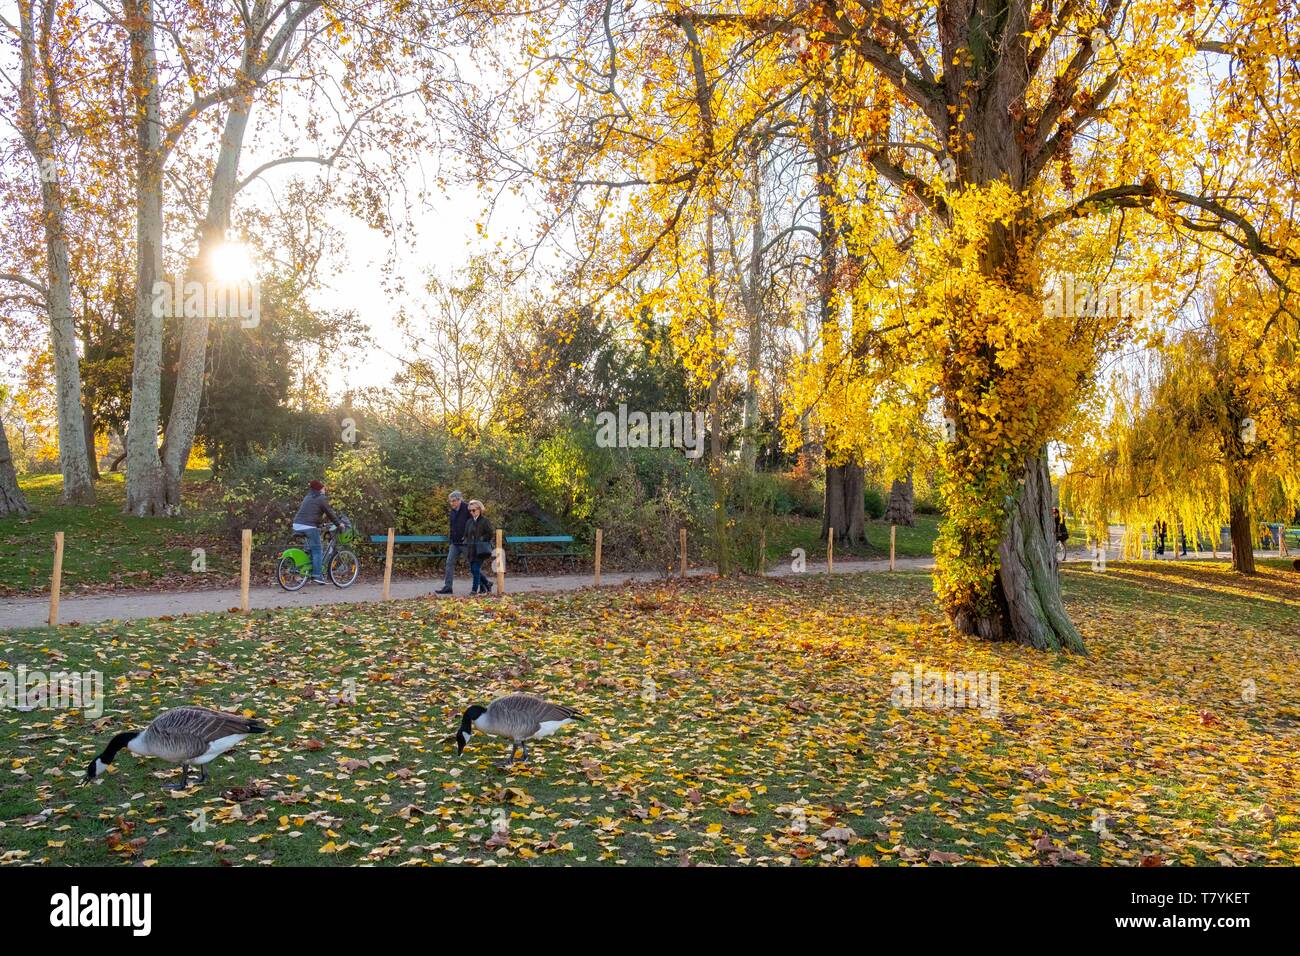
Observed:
{"x":101,"y":768}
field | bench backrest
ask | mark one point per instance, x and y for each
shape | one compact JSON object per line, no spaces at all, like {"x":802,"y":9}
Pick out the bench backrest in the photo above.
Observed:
{"x":442,"y":539}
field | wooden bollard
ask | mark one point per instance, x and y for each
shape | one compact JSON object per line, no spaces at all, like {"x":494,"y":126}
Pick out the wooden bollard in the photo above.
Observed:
{"x":56,"y":578}
{"x":683,"y":549}
{"x":388,"y":565}
{"x":893,"y":537}
{"x":501,"y":565}
{"x":830,"y":552}
{"x":596,"y":577}
{"x":245,"y":560}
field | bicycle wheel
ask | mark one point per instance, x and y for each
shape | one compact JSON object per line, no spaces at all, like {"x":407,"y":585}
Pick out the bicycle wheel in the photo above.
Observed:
{"x":290,"y":574}
{"x":344,"y":569}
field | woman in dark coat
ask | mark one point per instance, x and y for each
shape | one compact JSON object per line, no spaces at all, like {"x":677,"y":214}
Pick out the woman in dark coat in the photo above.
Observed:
{"x":480,"y":540}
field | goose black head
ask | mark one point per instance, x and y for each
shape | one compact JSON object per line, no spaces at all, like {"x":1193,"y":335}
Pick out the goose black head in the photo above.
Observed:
{"x":467,"y":727}
{"x":100,"y":763}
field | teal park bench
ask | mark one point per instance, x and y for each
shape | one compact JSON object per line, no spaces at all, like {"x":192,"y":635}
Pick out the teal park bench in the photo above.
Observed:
{"x":518,"y":547}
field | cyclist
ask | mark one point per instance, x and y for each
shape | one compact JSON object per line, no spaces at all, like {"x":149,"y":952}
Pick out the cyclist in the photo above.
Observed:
{"x":307,"y":523}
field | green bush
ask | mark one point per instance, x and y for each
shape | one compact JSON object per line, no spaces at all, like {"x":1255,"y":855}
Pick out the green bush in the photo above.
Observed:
{"x":263,"y":490}
{"x":873,"y":502}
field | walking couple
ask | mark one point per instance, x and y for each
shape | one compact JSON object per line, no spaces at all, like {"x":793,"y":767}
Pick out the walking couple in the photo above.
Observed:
{"x":471,"y":533}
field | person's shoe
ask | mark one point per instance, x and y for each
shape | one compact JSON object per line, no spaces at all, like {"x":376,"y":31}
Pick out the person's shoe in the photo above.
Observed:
{"x":443,"y":591}
{"x":319,"y":581}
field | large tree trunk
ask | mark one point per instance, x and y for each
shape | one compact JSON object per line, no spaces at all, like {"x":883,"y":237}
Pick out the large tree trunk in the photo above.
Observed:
{"x":40,"y":132}
{"x":902,"y":505}
{"x":11,"y":496}
{"x":184,"y":416}
{"x":1024,"y":602}
{"x":753,"y":299}
{"x":1239,"y":525}
{"x":145,"y":490}
{"x":845,"y":508}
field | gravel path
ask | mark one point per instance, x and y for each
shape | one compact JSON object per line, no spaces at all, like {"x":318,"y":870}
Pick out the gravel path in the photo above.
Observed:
{"x":132,"y":605}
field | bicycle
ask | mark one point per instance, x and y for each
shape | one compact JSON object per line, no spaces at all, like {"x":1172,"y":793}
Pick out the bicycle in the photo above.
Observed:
{"x":340,"y":563}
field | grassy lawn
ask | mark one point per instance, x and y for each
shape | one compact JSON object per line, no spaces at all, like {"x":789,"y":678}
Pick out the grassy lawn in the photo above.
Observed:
{"x":728,"y":722}
{"x":105,"y":548}
{"x":790,"y":532}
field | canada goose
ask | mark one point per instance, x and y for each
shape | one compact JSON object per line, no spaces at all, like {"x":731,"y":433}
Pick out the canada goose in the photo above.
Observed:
{"x":517,"y":717}
{"x":186,"y":735}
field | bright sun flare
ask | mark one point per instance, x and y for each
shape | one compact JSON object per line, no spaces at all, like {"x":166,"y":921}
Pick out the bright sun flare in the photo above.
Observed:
{"x":232,"y":263}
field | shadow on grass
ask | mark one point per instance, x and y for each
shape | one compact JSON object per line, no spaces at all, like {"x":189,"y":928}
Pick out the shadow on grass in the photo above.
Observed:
{"x":1214,"y":592}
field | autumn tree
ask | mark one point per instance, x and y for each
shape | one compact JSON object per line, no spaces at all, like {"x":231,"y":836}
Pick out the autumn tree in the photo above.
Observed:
{"x":983,"y":143}
{"x":1213,"y":437}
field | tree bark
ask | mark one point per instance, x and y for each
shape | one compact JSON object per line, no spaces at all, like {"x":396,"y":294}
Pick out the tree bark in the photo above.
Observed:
{"x":11,"y":496}
{"x":753,"y":299}
{"x":88,"y":417}
{"x":145,"y":490}
{"x":40,"y":129}
{"x":1024,"y":603}
{"x":845,"y":508}
{"x":902,"y":506}
{"x":183,"y":418}
{"x":1239,"y":524}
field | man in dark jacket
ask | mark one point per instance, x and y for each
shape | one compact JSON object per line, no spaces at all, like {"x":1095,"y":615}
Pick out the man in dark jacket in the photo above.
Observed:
{"x":307,"y":523}
{"x":457,"y":518}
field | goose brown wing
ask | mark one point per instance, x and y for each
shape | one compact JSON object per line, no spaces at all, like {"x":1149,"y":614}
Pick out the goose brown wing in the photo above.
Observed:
{"x":186,"y":732}
{"x":522,"y":714}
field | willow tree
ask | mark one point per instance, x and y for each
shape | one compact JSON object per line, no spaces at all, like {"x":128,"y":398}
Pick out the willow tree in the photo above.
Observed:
{"x":1213,"y":437}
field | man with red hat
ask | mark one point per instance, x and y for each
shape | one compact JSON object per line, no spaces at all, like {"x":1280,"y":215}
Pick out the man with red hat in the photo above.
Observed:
{"x":307,"y":523}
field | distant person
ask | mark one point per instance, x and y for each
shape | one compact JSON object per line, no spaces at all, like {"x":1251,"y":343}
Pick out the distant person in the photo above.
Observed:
{"x":1162,"y":530}
{"x":457,"y":518}
{"x":1062,"y":529}
{"x":307,"y":523}
{"x":480,"y":542}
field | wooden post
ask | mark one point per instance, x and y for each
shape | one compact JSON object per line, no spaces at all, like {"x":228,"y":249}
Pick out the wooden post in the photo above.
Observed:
{"x":762,"y":551}
{"x":830,"y":552}
{"x":56,"y":579}
{"x":245,"y":558}
{"x":683,"y":550}
{"x":599,"y":538}
{"x":501,"y":574}
{"x":893,"y":534}
{"x":388,"y":565}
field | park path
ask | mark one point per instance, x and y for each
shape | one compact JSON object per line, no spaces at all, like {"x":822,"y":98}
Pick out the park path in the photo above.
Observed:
{"x":134,"y":605}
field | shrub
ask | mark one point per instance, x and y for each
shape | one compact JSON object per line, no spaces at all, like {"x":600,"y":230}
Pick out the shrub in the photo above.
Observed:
{"x":873,"y":502}
{"x":263,"y":490}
